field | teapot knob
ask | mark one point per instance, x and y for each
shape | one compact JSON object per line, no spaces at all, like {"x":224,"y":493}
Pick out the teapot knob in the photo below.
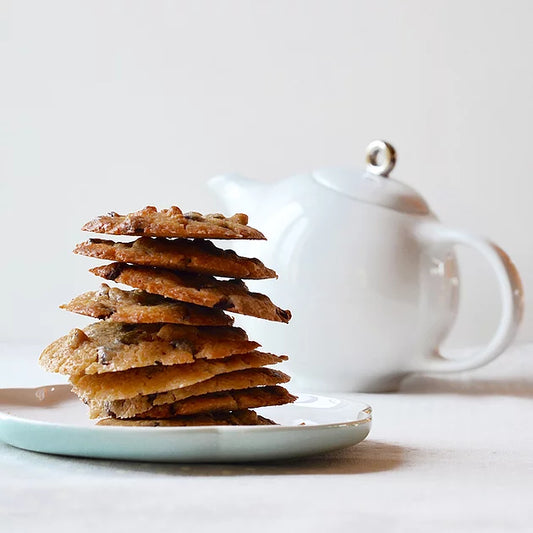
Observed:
{"x":380,"y":158}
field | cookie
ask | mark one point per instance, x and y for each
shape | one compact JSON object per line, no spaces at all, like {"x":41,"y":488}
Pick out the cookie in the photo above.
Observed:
{"x":139,"y":307}
{"x":149,"y":222}
{"x":179,"y":254}
{"x":230,"y":295}
{"x":240,"y":379}
{"x":106,"y":347}
{"x":235,"y":418}
{"x":155,"y":379}
{"x":222,"y":401}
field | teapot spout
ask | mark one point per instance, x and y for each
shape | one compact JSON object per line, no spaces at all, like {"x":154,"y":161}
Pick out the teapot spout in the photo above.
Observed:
{"x":238,"y":193}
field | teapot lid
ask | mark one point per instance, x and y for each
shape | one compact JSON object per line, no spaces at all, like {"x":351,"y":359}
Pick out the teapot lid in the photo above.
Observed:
{"x":374,"y":186}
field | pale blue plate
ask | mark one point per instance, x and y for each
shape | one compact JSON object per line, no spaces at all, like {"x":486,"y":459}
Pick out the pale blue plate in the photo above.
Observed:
{"x":52,"y":419}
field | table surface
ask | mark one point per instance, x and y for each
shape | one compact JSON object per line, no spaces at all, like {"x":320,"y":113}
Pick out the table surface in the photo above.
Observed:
{"x":452,"y":453}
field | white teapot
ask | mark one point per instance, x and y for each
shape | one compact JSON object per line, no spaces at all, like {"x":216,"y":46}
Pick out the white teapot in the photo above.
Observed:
{"x":368,"y":272}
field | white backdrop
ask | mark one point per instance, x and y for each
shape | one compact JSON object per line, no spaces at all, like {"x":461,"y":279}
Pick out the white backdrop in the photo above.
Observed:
{"x":109,"y":105}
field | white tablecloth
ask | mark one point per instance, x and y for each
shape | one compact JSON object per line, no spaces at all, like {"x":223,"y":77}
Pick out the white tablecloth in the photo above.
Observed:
{"x":444,"y":454}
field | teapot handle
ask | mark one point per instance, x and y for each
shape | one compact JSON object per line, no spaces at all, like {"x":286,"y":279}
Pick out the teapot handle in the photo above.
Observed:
{"x":511,"y":293}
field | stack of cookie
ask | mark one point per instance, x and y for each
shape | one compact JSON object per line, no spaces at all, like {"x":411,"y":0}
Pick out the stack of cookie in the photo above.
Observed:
{"x":166,"y":353}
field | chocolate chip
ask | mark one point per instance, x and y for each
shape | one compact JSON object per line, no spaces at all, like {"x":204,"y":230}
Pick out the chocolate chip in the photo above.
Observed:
{"x":134,"y":226}
{"x":224,"y":303}
{"x":151,"y":398}
{"x":113,"y":271}
{"x":193,"y":215}
{"x":132,"y":337}
{"x":104,"y":357}
{"x":284,"y":315}
{"x":183,"y":344}
{"x":112,"y":214}
{"x":104,"y":313}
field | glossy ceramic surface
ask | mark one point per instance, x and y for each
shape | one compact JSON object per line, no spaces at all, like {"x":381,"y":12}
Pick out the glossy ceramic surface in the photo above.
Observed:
{"x":369,"y":274}
{"x":51,"y":419}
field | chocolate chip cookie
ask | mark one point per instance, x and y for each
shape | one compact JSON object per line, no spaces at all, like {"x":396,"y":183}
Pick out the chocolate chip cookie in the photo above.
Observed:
{"x":222,"y":401}
{"x":150,"y":222}
{"x":234,"y":418}
{"x":239,"y":379}
{"x":154,"y":379}
{"x":230,"y":295}
{"x":140,"y":307}
{"x":105,"y":347}
{"x":178,"y":254}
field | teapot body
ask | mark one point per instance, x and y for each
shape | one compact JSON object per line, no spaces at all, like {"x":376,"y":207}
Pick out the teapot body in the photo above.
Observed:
{"x":369,"y":299}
